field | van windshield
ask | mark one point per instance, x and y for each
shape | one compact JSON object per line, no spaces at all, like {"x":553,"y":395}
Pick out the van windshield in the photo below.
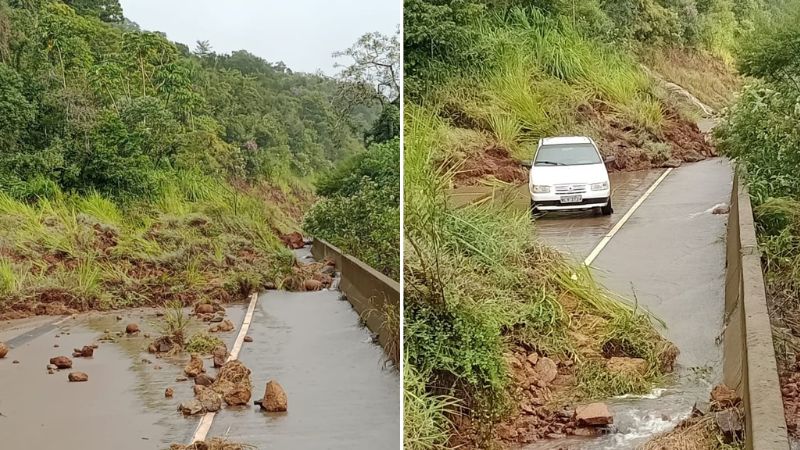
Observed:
{"x":566,"y":155}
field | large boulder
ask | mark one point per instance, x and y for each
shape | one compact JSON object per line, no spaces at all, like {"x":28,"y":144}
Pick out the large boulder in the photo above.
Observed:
{"x":274,"y":398}
{"x":78,"y":377}
{"x":220,"y":354}
{"x":194,"y":367}
{"x":191,"y":407}
{"x":593,"y":414}
{"x":233,"y":383}
{"x":61,"y":362}
{"x":210,"y":400}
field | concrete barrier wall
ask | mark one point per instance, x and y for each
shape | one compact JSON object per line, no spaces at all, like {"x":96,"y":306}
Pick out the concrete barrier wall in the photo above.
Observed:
{"x":749,"y":363}
{"x":370,"y":292}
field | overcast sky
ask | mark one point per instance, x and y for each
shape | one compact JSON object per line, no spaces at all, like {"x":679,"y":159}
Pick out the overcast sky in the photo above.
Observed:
{"x":301,"y":33}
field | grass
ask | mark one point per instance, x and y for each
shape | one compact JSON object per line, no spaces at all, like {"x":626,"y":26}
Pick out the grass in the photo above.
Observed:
{"x":200,"y":239}
{"x":175,"y":322}
{"x":476,"y":287}
{"x":202,"y":343}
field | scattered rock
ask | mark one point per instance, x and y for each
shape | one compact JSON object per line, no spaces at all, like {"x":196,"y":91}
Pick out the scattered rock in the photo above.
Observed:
{"x":724,"y":397}
{"x":533,"y":358}
{"x":203,"y":380}
{"x":672,"y":163}
{"x":204,"y":308}
{"x":191,"y":407}
{"x":119,"y":317}
{"x":545,"y":370}
{"x":225,"y":325}
{"x":593,"y":414}
{"x":627,"y":366}
{"x":248,"y":339}
{"x":50,"y":371}
{"x":700,"y":408}
{"x":132,"y":328}
{"x":51,"y":367}
{"x":220,"y":354}
{"x":161,"y":345}
{"x":730,"y":424}
{"x":86,"y":352}
{"x":169,"y":392}
{"x":210,"y":400}
{"x":312,"y":285}
{"x":78,"y":377}
{"x":693,"y":156}
{"x":194,"y":367}
{"x":56,"y":346}
{"x":3,"y":350}
{"x":180,"y":379}
{"x":215,"y":319}
{"x":269,"y":285}
{"x":16,"y":361}
{"x":721,"y":208}
{"x":274,"y":397}
{"x":233,"y":383}
{"x":61,"y":362}
{"x":293,"y":240}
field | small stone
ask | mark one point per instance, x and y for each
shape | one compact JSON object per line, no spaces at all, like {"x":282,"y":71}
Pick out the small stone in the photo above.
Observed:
{"x":248,"y":339}
{"x":191,"y":407}
{"x":593,"y":414}
{"x":194,"y":367}
{"x":56,"y":345}
{"x":546,"y":370}
{"x":50,"y":371}
{"x":203,"y":380}
{"x":533,"y":358}
{"x":204,"y":308}
{"x":16,"y":361}
{"x":169,"y":392}
{"x":724,"y":396}
{"x":132,"y":328}
{"x":225,"y":325}
{"x":219,"y":354}
{"x":119,"y":317}
{"x":721,"y":208}
{"x":51,"y":367}
{"x":78,"y":377}
{"x":3,"y":350}
{"x":312,"y":285}
{"x":274,"y":398}
{"x":180,"y":379}
{"x":61,"y":362}
{"x":730,"y":423}
{"x":269,"y":285}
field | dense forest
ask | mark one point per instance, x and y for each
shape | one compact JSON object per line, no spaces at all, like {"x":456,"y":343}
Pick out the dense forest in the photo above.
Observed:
{"x":136,"y":171}
{"x":484,"y":81}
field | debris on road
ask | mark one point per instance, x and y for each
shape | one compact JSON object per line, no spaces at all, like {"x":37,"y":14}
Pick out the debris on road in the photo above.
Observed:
{"x":274,"y":399}
{"x":312,"y":285}
{"x":721,"y":208}
{"x":220,"y":354}
{"x":61,"y":362}
{"x":293,"y":240}
{"x":233,"y":383}
{"x":78,"y":377}
{"x":203,"y":380}
{"x":191,"y":407}
{"x":593,"y":414}
{"x":211,"y":444}
{"x":225,"y":325}
{"x":162,"y":344}
{"x":169,"y":392}
{"x":248,"y":339}
{"x":86,"y":352}
{"x":3,"y":350}
{"x":194,"y":367}
{"x":132,"y":328}
{"x":209,"y":398}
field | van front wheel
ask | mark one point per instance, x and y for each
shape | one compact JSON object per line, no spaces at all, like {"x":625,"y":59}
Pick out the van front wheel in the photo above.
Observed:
{"x":607,"y":210}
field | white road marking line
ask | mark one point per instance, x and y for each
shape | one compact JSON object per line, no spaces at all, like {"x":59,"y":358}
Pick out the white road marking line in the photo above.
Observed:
{"x":607,"y":238}
{"x":204,"y":426}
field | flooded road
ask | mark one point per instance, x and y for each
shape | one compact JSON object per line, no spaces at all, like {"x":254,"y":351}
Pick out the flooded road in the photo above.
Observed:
{"x":340,"y":395}
{"x":122,"y":406}
{"x":671,"y":254}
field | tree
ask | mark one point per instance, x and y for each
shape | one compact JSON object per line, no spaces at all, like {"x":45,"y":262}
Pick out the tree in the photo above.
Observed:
{"x":105,"y":10}
{"x":375,"y":65}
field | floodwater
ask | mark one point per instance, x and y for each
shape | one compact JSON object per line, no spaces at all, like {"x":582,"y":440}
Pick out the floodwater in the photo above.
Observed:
{"x":575,"y":233}
{"x":671,"y":255}
{"x":122,"y":406}
{"x":340,"y":394}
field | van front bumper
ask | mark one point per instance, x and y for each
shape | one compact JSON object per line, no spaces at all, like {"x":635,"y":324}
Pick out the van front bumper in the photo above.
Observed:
{"x":552,"y":202}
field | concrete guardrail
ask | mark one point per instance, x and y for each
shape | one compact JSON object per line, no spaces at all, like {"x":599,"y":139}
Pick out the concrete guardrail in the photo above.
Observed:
{"x":749,"y":364}
{"x":370,"y":292}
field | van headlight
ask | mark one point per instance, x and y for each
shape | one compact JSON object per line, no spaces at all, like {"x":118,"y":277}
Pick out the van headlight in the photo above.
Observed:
{"x":600,"y":186}
{"x":541,"y":189}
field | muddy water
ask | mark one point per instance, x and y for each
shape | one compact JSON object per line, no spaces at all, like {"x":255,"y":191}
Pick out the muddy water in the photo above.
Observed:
{"x":575,"y":233}
{"x":340,"y":394}
{"x":122,"y":406}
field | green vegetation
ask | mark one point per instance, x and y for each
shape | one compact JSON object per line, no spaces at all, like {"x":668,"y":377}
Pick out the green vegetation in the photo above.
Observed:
{"x":484,"y":81}
{"x":134,"y":171}
{"x":760,"y":131}
{"x":360,"y":208}
{"x":202,"y":343}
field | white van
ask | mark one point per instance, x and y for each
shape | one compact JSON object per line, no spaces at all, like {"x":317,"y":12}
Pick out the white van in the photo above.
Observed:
{"x":568,"y":173}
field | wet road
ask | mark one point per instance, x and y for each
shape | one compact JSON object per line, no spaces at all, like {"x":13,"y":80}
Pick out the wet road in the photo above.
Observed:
{"x":340,"y":395}
{"x":671,"y":253}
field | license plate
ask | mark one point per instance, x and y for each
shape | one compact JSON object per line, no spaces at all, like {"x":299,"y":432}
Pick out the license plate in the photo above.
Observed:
{"x":571,"y":199}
